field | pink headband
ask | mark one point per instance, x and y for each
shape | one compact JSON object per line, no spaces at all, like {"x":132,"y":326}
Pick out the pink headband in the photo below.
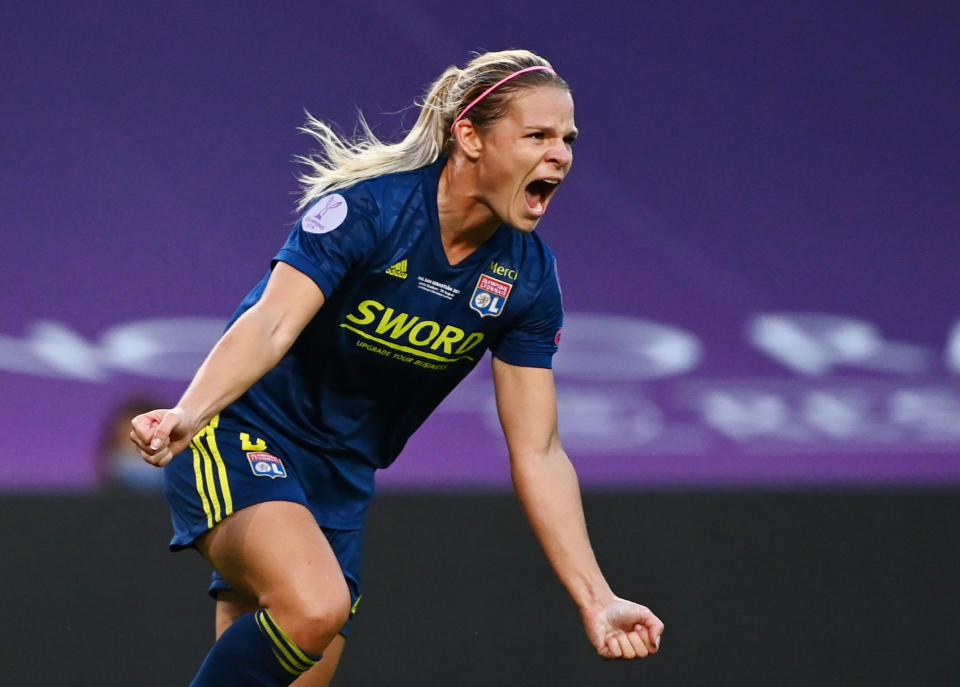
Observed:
{"x":538,"y":68}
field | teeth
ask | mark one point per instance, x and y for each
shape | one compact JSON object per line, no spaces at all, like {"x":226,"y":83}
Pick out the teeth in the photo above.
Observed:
{"x":552,"y":182}
{"x":539,"y":207}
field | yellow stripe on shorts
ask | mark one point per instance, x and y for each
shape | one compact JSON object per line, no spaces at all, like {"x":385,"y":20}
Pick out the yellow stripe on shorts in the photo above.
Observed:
{"x":206,"y":454}
{"x":221,"y":467}
{"x":208,"y":474}
{"x":200,"y":490}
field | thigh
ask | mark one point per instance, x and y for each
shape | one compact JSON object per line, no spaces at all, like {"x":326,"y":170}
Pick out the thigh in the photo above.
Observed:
{"x":273,"y":551}
{"x":347,"y":546}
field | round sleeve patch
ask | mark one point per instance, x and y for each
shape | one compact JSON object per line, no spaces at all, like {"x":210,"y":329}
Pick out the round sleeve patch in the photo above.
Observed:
{"x":325,"y":215}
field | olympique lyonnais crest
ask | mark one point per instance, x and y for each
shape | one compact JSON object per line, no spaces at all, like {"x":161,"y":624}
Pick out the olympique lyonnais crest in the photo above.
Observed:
{"x":490,"y":296}
{"x":266,"y":465}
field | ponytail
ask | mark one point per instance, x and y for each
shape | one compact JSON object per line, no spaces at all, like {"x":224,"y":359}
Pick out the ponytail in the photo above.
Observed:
{"x":340,"y":162}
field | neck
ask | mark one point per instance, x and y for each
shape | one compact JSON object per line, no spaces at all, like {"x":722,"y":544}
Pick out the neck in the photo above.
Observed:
{"x":466,"y":222}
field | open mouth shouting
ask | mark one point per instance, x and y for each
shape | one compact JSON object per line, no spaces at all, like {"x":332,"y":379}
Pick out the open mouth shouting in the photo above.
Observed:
{"x":537,"y":194}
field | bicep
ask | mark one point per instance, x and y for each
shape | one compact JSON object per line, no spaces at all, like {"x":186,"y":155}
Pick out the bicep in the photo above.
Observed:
{"x":527,"y":406}
{"x":290,"y":300}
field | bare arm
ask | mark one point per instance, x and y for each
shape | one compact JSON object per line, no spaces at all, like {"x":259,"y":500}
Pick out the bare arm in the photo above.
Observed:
{"x":251,"y":347}
{"x":547,"y":486}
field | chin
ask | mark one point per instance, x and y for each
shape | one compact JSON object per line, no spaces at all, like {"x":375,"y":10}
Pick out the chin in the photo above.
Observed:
{"x":527,"y":225}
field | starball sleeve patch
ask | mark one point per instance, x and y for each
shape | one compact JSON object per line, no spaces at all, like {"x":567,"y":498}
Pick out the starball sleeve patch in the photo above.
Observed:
{"x":325,"y":215}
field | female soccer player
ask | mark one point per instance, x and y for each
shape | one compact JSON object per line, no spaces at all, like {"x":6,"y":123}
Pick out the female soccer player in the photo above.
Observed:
{"x":410,"y":260}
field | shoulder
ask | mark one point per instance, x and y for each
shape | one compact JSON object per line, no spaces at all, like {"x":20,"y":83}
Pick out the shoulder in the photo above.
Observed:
{"x":422,"y":180}
{"x":401,"y":193}
{"x":351,"y":205}
{"x":377,"y":200}
{"x":536,"y":262}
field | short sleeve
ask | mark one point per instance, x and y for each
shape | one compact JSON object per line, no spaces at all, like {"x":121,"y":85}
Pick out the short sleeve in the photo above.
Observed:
{"x":534,"y":339}
{"x":333,"y":235}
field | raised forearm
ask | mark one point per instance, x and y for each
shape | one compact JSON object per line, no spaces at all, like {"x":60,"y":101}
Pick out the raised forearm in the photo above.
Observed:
{"x":249,"y":349}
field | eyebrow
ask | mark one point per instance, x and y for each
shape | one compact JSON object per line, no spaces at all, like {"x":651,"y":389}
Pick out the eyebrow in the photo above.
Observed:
{"x":573,"y":133}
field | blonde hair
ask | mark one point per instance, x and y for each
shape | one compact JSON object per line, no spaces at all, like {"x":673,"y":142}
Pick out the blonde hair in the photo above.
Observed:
{"x":341,"y":162}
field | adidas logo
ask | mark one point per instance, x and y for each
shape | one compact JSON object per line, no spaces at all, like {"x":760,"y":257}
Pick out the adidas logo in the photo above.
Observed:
{"x":398,"y":270}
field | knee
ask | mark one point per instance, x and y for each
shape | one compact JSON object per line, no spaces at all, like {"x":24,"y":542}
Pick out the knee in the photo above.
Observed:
{"x":312,"y":618}
{"x":319,"y":624}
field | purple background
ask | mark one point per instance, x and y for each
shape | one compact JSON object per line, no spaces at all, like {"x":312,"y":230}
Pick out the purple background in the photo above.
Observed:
{"x":743,"y":172}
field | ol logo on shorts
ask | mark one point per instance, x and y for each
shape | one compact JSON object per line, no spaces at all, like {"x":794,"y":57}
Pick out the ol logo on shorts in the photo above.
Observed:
{"x":266,"y":465}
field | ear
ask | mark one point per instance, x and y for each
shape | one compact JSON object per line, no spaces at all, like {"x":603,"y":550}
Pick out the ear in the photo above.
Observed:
{"x":469,"y":140}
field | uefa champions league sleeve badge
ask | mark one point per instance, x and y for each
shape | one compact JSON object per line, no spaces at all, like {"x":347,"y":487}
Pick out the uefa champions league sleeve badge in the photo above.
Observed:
{"x":325,"y":215}
{"x":490,"y":296}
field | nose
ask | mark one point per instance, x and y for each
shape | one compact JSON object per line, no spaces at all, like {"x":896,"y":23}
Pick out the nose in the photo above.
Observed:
{"x":560,"y":154}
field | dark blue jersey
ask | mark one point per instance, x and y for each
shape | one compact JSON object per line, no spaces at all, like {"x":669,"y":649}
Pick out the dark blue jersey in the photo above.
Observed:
{"x":400,"y":327}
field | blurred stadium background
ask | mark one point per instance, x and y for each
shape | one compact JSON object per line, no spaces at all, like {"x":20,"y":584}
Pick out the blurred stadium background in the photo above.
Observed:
{"x":760,"y":371}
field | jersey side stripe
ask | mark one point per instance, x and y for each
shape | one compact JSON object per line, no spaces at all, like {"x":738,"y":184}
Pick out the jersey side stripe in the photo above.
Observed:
{"x":200,"y":490}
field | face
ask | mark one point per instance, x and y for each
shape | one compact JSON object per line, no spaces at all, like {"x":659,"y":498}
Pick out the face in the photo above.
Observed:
{"x":526,"y":155}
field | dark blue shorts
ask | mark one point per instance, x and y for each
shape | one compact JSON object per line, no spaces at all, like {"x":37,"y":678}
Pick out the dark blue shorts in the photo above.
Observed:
{"x":228,"y":467}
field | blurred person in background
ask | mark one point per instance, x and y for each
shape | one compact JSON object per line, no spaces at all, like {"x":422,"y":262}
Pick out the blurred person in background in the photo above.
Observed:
{"x":119,"y":464}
